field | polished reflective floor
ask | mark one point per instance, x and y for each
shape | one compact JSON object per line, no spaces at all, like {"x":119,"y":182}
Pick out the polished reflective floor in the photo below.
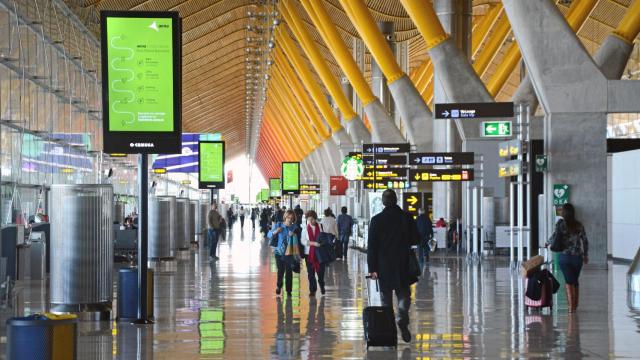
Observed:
{"x":228,"y":309}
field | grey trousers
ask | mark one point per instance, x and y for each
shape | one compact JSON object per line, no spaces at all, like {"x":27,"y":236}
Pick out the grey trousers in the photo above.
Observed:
{"x":404,"y":303}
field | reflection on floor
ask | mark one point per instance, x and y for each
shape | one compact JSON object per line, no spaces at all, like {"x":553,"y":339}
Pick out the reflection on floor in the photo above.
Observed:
{"x":228,"y":309}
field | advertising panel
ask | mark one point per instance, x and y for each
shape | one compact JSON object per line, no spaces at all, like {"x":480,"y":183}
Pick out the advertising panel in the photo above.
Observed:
{"x":290,"y":178}
{"x":211,"y":164}
{"x":275,"y":188}
{"x":141,"y":81}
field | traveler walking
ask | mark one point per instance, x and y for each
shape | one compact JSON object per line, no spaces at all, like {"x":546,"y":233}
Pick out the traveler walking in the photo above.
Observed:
{"x":330,"y":225}
{"x":230,"y":216}
{"x":284,"y":232}
{"x":214,"y":228}
{"x":309,"y":240}
{"x":574,"y":252}
{"x":425,"y":231}
{"x":345,"y":226}
{"x":242,"y":213}
{"x":392,"y":233}
{"x":254,"y":215}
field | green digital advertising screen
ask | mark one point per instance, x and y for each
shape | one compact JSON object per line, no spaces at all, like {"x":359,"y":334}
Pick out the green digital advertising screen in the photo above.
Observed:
{"x":211,"y":164}
{"x":141,"y":68}
{"x":290,"y":178}
{"x":264,"y":195}
{"x":274,"y":188}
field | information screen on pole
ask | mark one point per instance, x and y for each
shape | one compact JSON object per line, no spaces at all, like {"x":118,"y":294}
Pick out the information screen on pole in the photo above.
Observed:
{"x":264,"y":195}
{"x":141,"y":81}
{"x":275,"y":188}
{"x":290,"y":178}
{"x":211,"y":164}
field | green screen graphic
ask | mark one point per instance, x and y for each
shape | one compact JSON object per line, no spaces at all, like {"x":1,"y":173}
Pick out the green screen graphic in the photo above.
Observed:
{"x":140,"y":74}
{"x":274,"y":187}
{"x":290,"y":176}
{"x":264,"y":195}
{"x":211,"y":162}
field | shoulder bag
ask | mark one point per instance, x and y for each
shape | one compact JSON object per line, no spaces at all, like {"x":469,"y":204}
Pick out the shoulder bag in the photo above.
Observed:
{"x":557,"y":240}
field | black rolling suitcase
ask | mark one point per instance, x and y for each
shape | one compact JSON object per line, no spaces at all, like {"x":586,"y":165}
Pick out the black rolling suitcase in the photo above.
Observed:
{"x":379,"y":323}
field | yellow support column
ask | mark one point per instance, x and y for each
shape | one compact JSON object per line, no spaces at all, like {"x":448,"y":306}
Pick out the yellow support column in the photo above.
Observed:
{"x":291,"y":15}
{"x":426,"y":20}
{"x":629,"y":27}
{"x":359,"y":15}
{"x":307,"y":78}
{"x":339,"y":50}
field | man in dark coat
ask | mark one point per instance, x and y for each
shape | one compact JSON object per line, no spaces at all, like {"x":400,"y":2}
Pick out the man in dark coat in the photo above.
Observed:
{"x":425,"y":230}
{"x":391,"y":235}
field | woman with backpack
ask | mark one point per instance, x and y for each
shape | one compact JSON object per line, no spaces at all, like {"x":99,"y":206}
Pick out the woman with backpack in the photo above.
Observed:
{"x":282,"y":237}
{"x":570,"y":240}
{"x":309,"y":239}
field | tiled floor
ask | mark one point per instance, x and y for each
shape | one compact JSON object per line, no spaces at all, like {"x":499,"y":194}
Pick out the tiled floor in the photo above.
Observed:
{"x":229,"y":310}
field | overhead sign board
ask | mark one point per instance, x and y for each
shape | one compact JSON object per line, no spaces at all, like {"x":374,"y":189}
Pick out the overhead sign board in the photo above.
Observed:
{"x":510,"y":148}
{"x":510,"y":168}
{"x":141,"y":81}
{"x":385,"y":148}
{"x":160,"y":171}
{"x":275,"y":188}
{"x":453,"y":158}
{"x":211,"y":164}
{"x":411,"y":202}
{"x":430,"y":175}
{"x":385,"y":159}
{"x":495,"y":128}
{"x":290,"y":178}
{"x":384,"y":185}
{"x":383,"y":174}
{"x":309,"y":189}
{"x":474,"y":110}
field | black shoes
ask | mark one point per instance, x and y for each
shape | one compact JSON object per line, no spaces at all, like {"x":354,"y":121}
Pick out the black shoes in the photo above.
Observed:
{"x":406,"y":335}
{"x":278,"y":291}
{"x":288,"y":293}
{"x":322,"y":290}
{"x":312,"y":294}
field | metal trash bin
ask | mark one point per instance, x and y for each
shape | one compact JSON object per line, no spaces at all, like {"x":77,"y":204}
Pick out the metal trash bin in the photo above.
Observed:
{"x":42,"y":337}
{"x":128,"y":294}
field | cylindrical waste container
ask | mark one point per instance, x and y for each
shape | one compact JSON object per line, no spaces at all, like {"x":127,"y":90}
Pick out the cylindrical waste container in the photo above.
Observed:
{"x":182,"y":207}
{"x":204,"y":212}
{"x":118,"y":212}
{"x":128,"y":294}
{"x":42,"y":337}
{"x":160,"y":222}
{"x":81,"y":248}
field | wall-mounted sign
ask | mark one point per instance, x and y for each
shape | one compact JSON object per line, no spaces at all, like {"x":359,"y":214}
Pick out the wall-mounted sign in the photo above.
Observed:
{"x":560,"y":194}
{"x":542,"y":163}
{"x":141,"y":81}
{"x":411,"y":202}
{"x":384,"y":185}
{"x":473,"y":110}
{"x":510,"y":168}
{"x":495,"y":129}
{"x":385,"y":148}
{"x":290,"y":178}
{"x":510,"y":148}
{"x":211,"y":164}
{"x":352,"y":167}
{"x":441,"y":175}
{"x":338,"y":185}
{"x":454,"y":158}
{"x":275,"y":188}
{"x":385,"y":159}
{"x":160,"y":171}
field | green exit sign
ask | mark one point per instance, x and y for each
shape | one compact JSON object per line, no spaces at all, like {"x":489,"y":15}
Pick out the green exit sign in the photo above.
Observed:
{"x":496,"y":128}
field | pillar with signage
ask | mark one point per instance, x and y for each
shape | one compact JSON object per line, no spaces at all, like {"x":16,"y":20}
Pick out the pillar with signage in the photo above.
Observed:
{"x":141,"y":100}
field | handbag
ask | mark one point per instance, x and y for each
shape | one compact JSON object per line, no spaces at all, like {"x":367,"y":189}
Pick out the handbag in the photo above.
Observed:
{"x":414,"y":266}
{"x":557,"y":240}
{"x":326,"y":253}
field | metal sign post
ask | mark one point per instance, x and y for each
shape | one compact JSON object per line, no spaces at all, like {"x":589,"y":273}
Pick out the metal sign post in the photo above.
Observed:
{"x":521,"y":202}
{"x":143,"y":227}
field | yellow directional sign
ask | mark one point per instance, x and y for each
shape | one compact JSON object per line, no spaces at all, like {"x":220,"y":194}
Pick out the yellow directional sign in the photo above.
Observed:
{"x":412,"y":199}
{"x":412,"y":202}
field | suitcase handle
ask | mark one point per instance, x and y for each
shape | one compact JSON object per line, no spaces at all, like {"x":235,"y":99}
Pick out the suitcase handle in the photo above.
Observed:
{"x":368,"y":277}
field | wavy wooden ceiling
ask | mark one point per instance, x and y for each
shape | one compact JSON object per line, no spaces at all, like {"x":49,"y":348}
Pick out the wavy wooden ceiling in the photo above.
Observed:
{"x":214,"y":33}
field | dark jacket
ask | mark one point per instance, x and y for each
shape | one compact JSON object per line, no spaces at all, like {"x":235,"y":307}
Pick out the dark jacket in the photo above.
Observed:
{"x":425,"y":228}
{"x":537,"y":280}
{"x":391,"y":235}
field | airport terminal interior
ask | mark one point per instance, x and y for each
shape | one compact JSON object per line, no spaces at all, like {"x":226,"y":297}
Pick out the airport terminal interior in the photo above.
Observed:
{"x":473,"y":166}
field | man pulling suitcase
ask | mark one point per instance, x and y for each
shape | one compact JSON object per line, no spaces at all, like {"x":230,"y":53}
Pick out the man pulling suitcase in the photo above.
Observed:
{"x":392,"y":233}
